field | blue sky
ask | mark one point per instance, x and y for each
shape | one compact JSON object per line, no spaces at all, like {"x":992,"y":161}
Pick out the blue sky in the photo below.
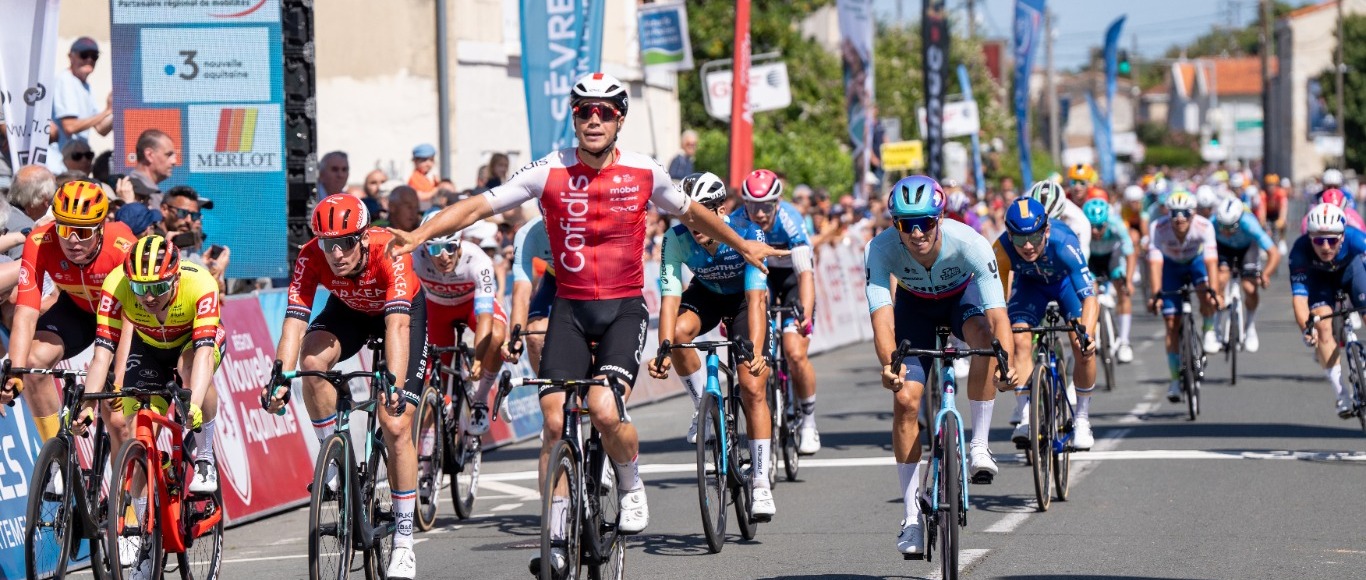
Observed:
{"x":1157,"y":24}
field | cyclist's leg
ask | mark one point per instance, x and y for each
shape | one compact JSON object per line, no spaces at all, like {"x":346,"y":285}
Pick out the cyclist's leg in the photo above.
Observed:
{"x":795,"y":347}
{"x":337,"y":334}
{"x":205,"y":478}
{"x":491,"y":360}
{"x":1124,"y":299}
{"x":697,"y":314}
{"x":440,"y":328}
{"x":618,"y":360}
{"x":538,"y":318}
{"x":916,"y":320}
{"x":970,"y":323}
{"x":566,"y":357}
{"x":1083,"y":363}
{"x":1025,"y":308}
{"x":1252,"y":296}
{"x":753,"y":388}
{"x":64,"y":330}
{"x":398,"y":430}
{"x":1174,"y":275}
{"x":1199,"y":278}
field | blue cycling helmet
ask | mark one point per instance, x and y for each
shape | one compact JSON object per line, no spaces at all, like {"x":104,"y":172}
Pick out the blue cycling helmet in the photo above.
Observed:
{"x":1097,"y":212}
{"x":1026,"y":216}
{"x":916,"y":196}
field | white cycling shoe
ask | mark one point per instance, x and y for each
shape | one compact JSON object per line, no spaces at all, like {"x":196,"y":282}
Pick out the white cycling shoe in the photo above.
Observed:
{"x":1082,"y":438}
{"x":810,"y":439}
{"x":558,"y":562}
{"x":402,"y":564}
{"x":129,"y":546}
{"x":981,"y":465}
{"x":1250,"y":341}
{"x":692,"y":429}
{"x":56,"y":486}
{"x":911,"y":540}
{"x":762,"y":509}
{"x":1125,"y":354}
{"x":1212,"y":344}
{"x":1017,"y":416}
{"x":1021,"y":436}
{"x":1174,"y":391}
{"x":635,"y":512}
{"x":205,"y":479}
{"x":1346,"y":410}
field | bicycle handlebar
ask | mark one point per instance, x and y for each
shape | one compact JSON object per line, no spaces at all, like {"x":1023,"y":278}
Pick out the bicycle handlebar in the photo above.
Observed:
{"x":507,"y":382}
{"x":338,"y":380}
{"x":949,"y":353}
{"x":7,"y":370}
{"x":515,"y":343}
{"x":744,"y":349}
{"x":1315,"y":319}
{"x":1073,"y":326}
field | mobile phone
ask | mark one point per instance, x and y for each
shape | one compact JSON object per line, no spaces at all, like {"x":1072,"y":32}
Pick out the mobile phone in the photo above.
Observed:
{"x":215,"y":251}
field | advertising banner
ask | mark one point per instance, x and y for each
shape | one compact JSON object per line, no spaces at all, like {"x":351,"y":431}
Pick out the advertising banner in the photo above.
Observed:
{"x":935,"y":56}
{"x":210,"y":76}
{"x":28,"y":49}
{"x":1104,"y":152}
{"x":978,"y":179}
{"x":960,"y":119}
{"x":769,"y":89}
{"x":856,"y":52}
{"x":1028,"y":21}
{"x":19,"y":447}
{"x":1107,"y":162}
{"x":561,"y":41}
{"x":664,"y":43}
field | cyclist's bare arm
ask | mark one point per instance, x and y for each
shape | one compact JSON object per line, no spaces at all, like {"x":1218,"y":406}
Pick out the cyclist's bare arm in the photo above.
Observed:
{"x":758,"y":327}
{"x":201,"y":374}
{"x":449,"y":220}
{"x":668,"y":322}
{"x":700,"y":219}
{"x":291,"y":336}
{"x":806,"y":292}
{"x":396,"y":350}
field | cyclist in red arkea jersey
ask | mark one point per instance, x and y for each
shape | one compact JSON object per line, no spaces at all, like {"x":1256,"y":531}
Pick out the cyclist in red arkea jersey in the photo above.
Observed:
{"x":77,"y":251}
{"x":594,"y":198}
{"x":373,"y":295}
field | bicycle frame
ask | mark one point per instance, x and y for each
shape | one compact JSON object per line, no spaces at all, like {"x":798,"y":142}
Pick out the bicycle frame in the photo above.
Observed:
{"x":713,"y":387}
{"x":1047,"y":353}
{"x":948,"y":405}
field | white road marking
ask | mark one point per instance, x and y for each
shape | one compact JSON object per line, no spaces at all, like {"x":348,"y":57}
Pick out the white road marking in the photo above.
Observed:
{"x":505,"y":507}
{"x":516,"y":491}
{"x":966,"y":558}
{"x":1010,"y":521}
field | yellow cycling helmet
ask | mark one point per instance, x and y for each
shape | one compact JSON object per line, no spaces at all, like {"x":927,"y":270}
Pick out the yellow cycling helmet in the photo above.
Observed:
{"x":1081,"y":172}
{"x":152,"y":259}
{"x":80,"y":203}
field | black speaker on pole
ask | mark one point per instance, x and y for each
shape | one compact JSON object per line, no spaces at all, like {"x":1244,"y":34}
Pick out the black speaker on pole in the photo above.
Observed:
{"x":301,"y":118}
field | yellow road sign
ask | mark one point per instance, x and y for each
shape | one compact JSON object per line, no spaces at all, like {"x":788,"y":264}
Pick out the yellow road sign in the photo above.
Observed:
{"x":903,"y":156}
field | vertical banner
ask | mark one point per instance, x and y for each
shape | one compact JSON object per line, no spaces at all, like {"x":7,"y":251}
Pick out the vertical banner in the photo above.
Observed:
{"x":1028,"y":20}
{"x":935,"y":44}
{"x":1105,"y":151}
{"x":211,"y":77}
{"x":664,"y":43}
{"x":1107,"y":161}
{"x":28,"y":49}
{"x":856,"y":51}
{"x":979,"y":180}
{"x":741,"y":115}
{"x":561,"y":41}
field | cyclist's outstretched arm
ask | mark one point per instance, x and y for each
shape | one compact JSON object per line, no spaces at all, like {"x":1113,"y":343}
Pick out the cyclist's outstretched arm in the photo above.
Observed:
{"x":700,"y":219}
{"x":201,"y":372}
{"x":452,"y":219}
{"x":396,"y":353}
{"x":1000,"y":328}
{"x":668,"y":322}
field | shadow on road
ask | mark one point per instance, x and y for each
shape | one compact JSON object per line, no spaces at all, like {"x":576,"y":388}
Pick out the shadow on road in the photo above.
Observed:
{"x":510,"y":524}
{"x":676,"y":545}
{"x":1001,"y":503}
{"x":1240,"y":430}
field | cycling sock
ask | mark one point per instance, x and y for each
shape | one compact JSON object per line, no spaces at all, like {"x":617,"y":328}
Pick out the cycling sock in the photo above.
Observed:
{"x":809,"y":411}
{"x":403,"y":517}
{"x":1208,"y":324}
{"x":204,"y":446}
{"x":47,"y":426}
{"x":1021,"y":404}
{"x":1249,"y":318}
{"x":325,"y":426}
{"x":1174,"y":364}
{"x":558,"y":508}
{"x":486,"y":379}
{"x":1125,"y":322}
{"x":1335,"y":378}
{"x":910,"y":488}
{"x":1084,"y":401}
{"x":696,"y":384}
{"x":760,"y":450}
{"x":981,"y":420}
{"x":628,"y":475}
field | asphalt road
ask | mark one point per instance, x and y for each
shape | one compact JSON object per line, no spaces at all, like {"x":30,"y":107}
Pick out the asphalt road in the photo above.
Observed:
{"x":1266,"y":484}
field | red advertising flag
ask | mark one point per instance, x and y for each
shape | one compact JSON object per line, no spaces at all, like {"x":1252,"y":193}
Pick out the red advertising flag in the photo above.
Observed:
{"x":741,"y":117}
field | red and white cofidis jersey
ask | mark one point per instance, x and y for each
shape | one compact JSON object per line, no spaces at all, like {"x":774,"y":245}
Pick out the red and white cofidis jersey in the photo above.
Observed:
{"x":472,"y":278}
{"x":595,"y":219}
{"x":384,"y":286}
{"x":43,"y":255}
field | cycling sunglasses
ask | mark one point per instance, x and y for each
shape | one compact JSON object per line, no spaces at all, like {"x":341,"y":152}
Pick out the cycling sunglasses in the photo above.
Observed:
{"x":344,"y":243}
{"x":604,"y":111}
{"x":151,"y":288}
{"x":1034,"y":239}
{"x":764,"y":207}
{"x":77,"y":233}
{"x":185,"y":213}
{"x":1181,"y":213}
{"x":924,"y":224}
{"x":435,"y":249}
{"x":1326,"y":241}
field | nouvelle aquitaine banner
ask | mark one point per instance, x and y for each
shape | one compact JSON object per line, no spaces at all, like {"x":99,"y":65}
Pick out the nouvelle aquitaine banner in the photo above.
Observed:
{"x":979,"y":180}
{"x":1028,"y":21}
{"x":28,"y":49}
{"x":210,"y":75}
{"x":1107,"y":161}
{"x":935,"y":45}
{"x":741,"y":116}
{"x":1104,"y":139}
{"x":664,"y":42}
{"x":856,"y":51}
{"x":561,"y":41}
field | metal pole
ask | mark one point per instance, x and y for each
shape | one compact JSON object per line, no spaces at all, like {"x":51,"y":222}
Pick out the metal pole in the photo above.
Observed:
{"x":1266,"y":86}
{"x":443,"y":111}
{"x":1054,"y":132}
{"x":972,"y":19}
{"x":1341,"y":115}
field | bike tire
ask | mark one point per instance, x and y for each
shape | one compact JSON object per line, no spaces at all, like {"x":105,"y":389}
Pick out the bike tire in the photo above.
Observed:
{"x":467,"y":456}
{"x":1062,"y":457}
{"x":792,"y":459}
{"x":562,"y":480}
{"x":1040,"y":441}
{"x":429,"y":435}
{"x":203,"y":555}
{"x":331,"y":531}
{"x":1235,"y":339}
{"x":608,"y":560}
{"x":774,"y":399}
{"x":46,"y":555}
{"x":713,"y":491}
{"x":1189,"y":348}
{"x":741,"y":488}
{"x":1107,"y":348}
{"x":951,"y":489}
{"x":1356,"y":366}
{"x":379,"y":509}
{"x":134,"y":464}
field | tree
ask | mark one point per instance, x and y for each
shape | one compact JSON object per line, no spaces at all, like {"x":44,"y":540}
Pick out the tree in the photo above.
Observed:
{"x":1354,"y":90}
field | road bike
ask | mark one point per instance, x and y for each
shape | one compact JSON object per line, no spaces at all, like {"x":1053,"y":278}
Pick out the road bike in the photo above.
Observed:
{"x":782,"y":399}
{"x":441,"y":431}
{"x":944,"y":486}
{"x":579,"y":496}
{"x":1344,"y":329}
{"x":1190,"y":349}
{"x":1049,"y":450}
{"x":1105,"y":332}
{"x":61,"y":515}
{"x":1233,"y":319}
{"x":724,"y":464}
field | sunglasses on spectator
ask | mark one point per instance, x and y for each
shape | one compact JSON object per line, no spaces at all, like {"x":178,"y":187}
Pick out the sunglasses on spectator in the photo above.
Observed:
{"x":1181,"y":213}
{"x":77,"y":233}
{"x":344,"y":243}
{"x":151,"y":288}
{"x":185,"y":213}
{"x":1326,"y":241}
{"x":1020,"y":240}
{"x":924,"y":225}
{"x":90,"y":55}
{"x":435,"y":249}
{"x":82,"y":155}
{"x":604,"y":111}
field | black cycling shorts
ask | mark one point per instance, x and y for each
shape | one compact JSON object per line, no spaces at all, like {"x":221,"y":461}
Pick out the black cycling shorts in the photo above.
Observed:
{"x":152,"y":367}
{"x":353,"y":328}
{"x":617,"y":326}
{"x":544,"y":298}
{"x":71,"y":323}
{"x":1245,"y":260}
{"x":784,"y":287}
{"x":712,"y":309}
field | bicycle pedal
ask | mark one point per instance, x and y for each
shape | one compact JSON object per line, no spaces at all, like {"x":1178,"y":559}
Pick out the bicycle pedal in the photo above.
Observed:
{"x":982,"y":478}
{"x":760,"y":519}
{"x":920,"y":556}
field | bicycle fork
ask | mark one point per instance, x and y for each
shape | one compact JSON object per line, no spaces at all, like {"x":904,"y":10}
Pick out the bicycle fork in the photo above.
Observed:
{"x":713,"y":390}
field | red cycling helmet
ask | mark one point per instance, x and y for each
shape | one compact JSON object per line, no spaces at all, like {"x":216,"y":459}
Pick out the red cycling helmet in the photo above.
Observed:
{"x":1333,"y":196}
{"x":762,"y":186}
{"x":338,"y":215}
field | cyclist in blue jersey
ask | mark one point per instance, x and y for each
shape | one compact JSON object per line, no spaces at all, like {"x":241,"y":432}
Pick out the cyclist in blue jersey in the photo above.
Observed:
{"x":1041,"y":262}
{"x":945,"y":275}
{"x":1113,"y":259}
{"x":791,"y":280}
{"x":531,"y":310}
{"x":1325,"y":260}
{"x":1239,"y":239}
{"x":724,"y":288}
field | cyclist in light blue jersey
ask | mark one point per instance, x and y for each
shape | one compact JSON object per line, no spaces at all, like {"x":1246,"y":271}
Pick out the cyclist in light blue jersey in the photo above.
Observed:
{"x":946,"y":275}
{"x":724,"y":288}
{"x":1239,"y":239}
{"x":531,"y":311}
{"x":1113,"y":260}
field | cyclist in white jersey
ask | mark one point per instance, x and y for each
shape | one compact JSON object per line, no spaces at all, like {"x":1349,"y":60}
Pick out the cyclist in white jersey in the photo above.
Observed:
{"x":1052,"y":196}
{"x":946,"y":275}
{"x":1181,"y":250}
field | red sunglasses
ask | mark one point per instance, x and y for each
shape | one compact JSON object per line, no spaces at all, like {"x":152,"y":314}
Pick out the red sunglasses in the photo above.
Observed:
{"x":605,"y":112}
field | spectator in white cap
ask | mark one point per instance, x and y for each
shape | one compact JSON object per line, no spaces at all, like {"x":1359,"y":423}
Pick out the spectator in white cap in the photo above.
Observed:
{"x":74,"y":109}
{"x":424,"y":159}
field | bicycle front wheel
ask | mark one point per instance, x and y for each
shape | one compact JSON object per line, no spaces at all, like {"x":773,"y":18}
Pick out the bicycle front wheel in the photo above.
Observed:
{"x":1235,"y":339}
{"x":379,"y":507}
{"x":202,"y":516}
{"x":1356,"y":376}
{"x":1191,"y":350}
{"x":1107,"y":347}
{"x":331,"y":524}
{"x":48,"y":537}
{"x":951,"y":508}
{"x":1062,"y":457}
{"x":134,"y":503}
{"x":741,"y":467}
{"x":1040,"y":437}
{"x":609,"y":556}
{"x":467,"y":454}
{"x":561,"y":513}
{"x":428,"y":434}
{"x":712,"y":487}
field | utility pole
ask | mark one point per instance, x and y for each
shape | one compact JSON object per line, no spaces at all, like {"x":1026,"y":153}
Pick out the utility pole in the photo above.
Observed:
{"x":1341,"y":116}
{"x":1266,"y":42}
{"x":1051,"y":92}
{"x":972,"y":19}
{"x":900,"y":9}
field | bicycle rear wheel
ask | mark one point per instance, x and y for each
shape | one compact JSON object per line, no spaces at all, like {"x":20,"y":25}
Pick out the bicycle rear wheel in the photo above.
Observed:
{"x":203,"y":519}
{"x":713,"y":490}
{"x":379,"y":506}
{"x":1356,"y":369}
{"x":1106,"y":348}
{"x":951,"y":514}
{"x":48,"y":531}
{"x":774,"y":399}
{"x":330,"y":516}
{"x":134,"y":512}
{"x":1190,"y":352}
{"x":791,"y":458}
{"x":1235,"y":338}
{"x":1040,"y":439}
{"x":1062,"y":457}
{"x":741,"y":466}
{"x":467,"y":455}
{"x":428,"y":433}
{"x":609,"y":553}
{"x":561,"y":512}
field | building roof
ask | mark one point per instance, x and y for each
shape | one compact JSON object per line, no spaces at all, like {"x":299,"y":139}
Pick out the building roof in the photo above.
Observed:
{"x":1310,"y":9}
{"x":1241,"y":76}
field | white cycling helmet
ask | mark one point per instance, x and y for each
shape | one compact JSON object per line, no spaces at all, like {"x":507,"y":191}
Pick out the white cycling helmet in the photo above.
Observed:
{"x":1332,"y":178}
{"x":1235,"y":181}
{"x":704,"y":188}
{"x":1230,"y":212}
{"x":1180,"y":201}
{"x":1133,"y":193}
{"x":600,"y":86}
{"x":1050,"y":195}
{"x":455,"y":237}
{"x":1326,"y":218}
{"x":1205,"y":197}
